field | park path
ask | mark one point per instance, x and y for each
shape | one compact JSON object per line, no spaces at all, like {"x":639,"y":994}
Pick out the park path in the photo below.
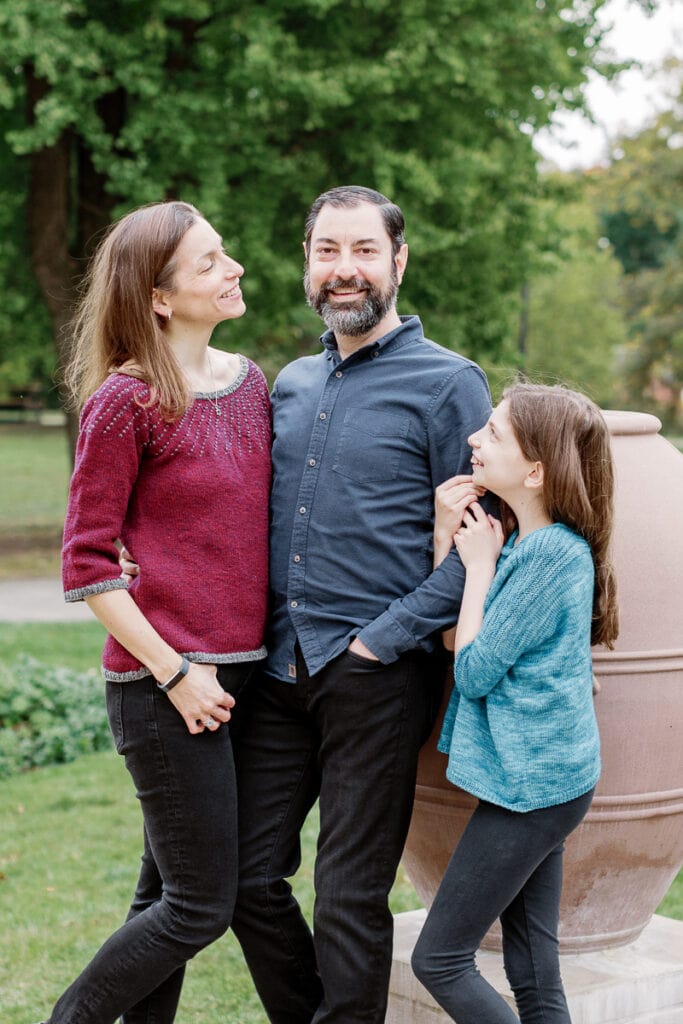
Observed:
{"x":38,"y":600}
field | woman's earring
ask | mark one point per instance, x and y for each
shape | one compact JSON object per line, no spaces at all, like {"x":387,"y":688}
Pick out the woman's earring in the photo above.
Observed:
{"x":170,"y":314}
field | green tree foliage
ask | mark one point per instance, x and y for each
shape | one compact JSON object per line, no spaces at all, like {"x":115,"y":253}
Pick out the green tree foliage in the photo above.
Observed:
{"x":24,"y":322}
{"x":653,"y":360}
{"x":250,"y":109}
{"x":637,"y":241}
{"x":640,"y":196}
{"x":576,"y":325}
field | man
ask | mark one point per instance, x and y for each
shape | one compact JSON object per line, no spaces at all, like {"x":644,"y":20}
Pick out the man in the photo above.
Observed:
{"x":363,"y":433}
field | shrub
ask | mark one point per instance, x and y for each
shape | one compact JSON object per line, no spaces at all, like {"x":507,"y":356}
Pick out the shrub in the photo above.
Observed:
{"x":49,"y":715}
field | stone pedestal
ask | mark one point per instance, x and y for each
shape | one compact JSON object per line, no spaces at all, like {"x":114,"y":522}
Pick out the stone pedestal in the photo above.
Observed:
{"x":641,"y":983}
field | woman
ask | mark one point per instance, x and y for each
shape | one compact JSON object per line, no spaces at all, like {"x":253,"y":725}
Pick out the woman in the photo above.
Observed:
{"x":173,"y":460}
{"x":520,"y":729}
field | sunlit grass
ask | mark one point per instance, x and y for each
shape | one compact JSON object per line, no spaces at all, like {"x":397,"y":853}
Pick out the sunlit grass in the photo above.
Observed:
{"x":77,"y":645}
{"x":35,"y":469}
{"x":70,"y":839}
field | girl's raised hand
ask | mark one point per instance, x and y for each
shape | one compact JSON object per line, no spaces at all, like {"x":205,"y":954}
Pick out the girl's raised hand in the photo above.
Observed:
{"x":451,"y":499}
{"x":479,"y":539}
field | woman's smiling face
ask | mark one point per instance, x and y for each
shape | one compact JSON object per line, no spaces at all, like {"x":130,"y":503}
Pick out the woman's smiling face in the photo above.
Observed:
{"x":206,"y":281}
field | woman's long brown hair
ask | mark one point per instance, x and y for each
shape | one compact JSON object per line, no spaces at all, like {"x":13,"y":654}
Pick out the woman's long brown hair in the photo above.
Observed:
{"x":567,"y":433}
{"x":115,"y":323}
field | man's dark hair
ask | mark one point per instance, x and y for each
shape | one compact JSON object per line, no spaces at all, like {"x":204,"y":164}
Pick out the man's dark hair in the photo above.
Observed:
{"x":354,"y":195}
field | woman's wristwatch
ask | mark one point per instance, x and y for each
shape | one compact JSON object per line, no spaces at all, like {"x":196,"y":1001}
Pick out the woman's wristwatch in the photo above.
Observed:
{"x":175,"y":679}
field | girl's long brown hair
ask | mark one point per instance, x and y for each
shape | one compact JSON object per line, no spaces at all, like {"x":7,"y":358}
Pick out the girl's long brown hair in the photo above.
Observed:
{"x":567,"y":433}
{"x":115,"y":323}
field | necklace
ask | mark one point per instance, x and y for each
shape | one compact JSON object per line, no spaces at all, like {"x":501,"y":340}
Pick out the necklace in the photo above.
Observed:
{"x":214,"y":398}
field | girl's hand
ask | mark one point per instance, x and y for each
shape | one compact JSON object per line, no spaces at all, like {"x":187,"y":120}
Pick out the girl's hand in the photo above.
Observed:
{"x":480,"y":539}
{"x":199,"y":698}
{"x":451,"y":499}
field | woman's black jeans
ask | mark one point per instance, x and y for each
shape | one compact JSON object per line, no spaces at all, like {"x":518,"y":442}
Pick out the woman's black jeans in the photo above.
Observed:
{"x":506,"y":865}
{"x":188,"y":880}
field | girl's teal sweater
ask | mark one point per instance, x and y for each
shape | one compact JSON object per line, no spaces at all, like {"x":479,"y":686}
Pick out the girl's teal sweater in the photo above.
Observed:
{"x":520,"y":729}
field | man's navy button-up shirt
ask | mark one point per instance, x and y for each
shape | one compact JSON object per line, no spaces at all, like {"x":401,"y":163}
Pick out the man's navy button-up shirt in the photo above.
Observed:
{"x":359,"y":446}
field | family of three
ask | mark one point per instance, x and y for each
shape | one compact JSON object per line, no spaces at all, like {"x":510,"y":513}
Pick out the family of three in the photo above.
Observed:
{"x":237,"y":704}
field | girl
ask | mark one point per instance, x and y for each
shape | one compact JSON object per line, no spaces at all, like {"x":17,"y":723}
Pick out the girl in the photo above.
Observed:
{"x":520,"y":728}
{"x":173,"y":459}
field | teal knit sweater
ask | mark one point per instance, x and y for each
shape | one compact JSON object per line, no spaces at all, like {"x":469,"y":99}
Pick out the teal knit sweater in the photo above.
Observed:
{"x":520,"y":727}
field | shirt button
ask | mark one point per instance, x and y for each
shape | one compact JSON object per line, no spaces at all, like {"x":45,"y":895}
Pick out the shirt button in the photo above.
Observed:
{"x":293,"y":604}
{"x":312,"y":462}
{"x":297,"y":558}
{"x":302,"y":510}
{"x":339,"y":374}
{"x":375,"y":354}
{"x":323,"y":415}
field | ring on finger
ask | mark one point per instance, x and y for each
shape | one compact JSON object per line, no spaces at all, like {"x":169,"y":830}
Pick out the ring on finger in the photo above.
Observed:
{"x":208,"y":722}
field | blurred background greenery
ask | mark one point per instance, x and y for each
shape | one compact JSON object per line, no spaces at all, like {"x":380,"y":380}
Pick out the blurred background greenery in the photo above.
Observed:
{"x":251,"y":110}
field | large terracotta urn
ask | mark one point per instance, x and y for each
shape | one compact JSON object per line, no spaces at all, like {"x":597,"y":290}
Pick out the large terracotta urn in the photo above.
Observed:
{"x":622,"y":859}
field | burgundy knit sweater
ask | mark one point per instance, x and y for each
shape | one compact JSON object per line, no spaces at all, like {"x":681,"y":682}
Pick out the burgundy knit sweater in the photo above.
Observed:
{"x":189,"y":500}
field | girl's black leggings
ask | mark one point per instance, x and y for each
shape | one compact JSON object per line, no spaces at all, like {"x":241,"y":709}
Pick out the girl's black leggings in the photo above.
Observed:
{"x":507,"y":865}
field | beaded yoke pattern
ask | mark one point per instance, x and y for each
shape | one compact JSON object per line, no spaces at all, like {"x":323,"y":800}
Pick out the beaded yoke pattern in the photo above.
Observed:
{"x":189,"y":499}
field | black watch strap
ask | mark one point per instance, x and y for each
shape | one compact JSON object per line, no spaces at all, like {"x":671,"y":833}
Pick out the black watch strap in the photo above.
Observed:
{"x":174,"y":680}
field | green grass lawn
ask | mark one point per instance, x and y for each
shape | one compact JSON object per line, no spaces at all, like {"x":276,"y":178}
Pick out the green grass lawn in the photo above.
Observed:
{"x":35,"y":469}
{"x":76,"y":644}
{"x":69,"y":847}
{"x":70,"y":838}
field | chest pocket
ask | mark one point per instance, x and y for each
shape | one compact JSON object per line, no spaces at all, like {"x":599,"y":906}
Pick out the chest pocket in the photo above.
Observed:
{"x":371,"y":445}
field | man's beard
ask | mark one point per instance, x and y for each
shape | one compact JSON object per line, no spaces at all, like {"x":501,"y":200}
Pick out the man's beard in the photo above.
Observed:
{"x":352,"y":319}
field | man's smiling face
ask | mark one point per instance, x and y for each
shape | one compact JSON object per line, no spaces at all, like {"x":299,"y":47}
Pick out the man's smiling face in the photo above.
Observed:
{"x":352,"y":277}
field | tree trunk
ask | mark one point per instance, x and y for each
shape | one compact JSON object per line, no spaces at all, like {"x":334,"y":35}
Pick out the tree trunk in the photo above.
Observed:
{"x":66,"y":200}
{"x":47,"y":217}
{"x":523,"y":332}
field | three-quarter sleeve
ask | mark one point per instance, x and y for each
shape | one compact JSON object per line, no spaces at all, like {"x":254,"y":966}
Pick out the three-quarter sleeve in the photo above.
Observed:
{"x":111,"y":441}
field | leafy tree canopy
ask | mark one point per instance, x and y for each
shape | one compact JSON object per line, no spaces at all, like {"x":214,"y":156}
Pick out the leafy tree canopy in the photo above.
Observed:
{"x":576,"y":323}
{"x":251,"y":109}
{"x":639,"y":200}
{"x":640,"y":196}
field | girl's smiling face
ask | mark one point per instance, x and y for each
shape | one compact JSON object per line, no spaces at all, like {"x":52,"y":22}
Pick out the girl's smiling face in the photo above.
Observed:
{"x":498,"y":463}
